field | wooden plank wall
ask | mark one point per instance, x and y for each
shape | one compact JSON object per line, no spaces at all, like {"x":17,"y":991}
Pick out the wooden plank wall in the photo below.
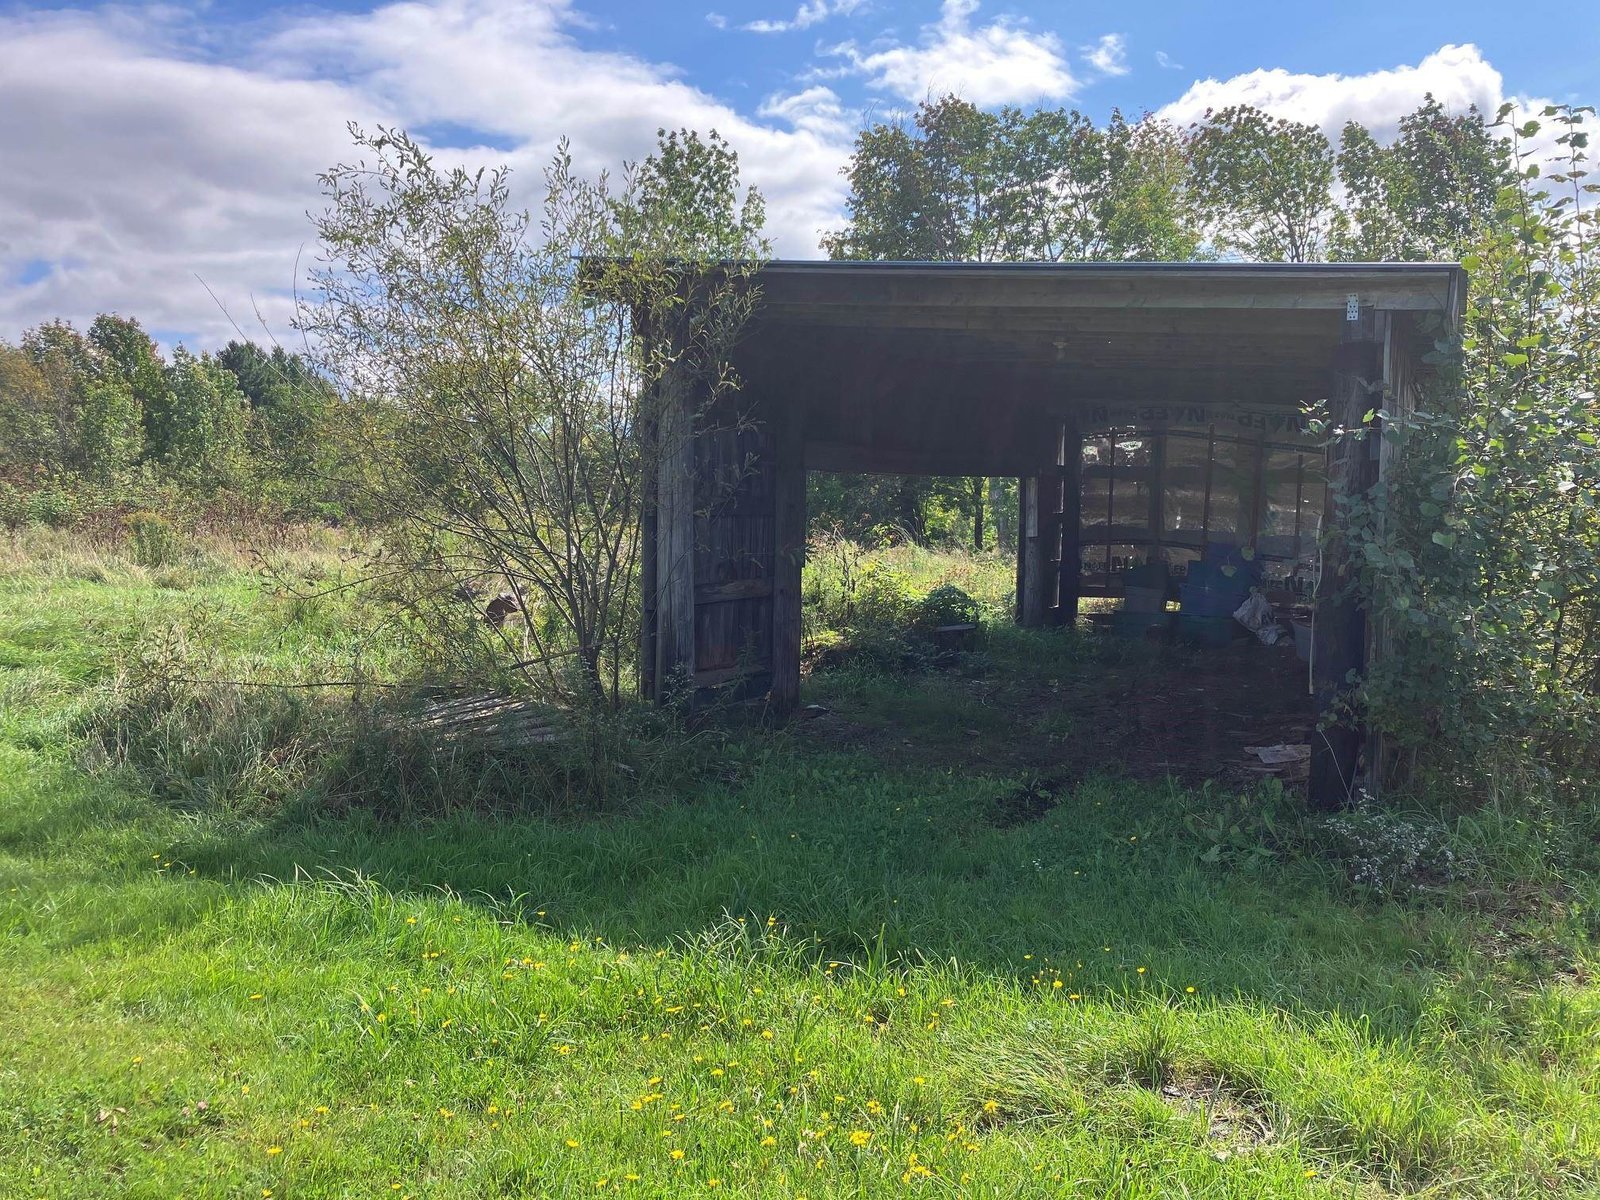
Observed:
{"x":734,"y":554}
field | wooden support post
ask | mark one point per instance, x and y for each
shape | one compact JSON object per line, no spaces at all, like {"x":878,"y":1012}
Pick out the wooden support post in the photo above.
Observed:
{"x":1022,"y":545}
{"x":674,"y":544}
{"x":647,"y":578}
{"x":1339,"y":643}
{"x":1039,"y":547}
{"x":1031,"y":547}
{"x":1070,"y":569}
{"x":789,"y":548}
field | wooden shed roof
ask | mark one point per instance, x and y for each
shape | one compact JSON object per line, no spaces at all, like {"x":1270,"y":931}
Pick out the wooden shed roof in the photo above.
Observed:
{"x":1258,"y":332}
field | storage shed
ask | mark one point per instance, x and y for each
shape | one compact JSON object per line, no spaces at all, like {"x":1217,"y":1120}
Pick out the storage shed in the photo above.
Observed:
{"x":1150,"y":410}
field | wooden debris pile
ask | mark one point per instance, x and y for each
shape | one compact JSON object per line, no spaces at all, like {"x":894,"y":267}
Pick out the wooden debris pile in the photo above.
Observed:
{"x":490,"y":721}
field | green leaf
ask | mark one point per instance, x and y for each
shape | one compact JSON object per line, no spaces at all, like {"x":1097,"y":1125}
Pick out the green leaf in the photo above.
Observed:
{"x":1447,"y":540}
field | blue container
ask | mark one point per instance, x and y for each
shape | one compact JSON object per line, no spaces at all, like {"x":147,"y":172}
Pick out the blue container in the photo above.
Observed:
{"x":1140,"y":624}
{"x":1230,"y":562}
{"x":1151,"y":575}
{"x":1213,"y":601}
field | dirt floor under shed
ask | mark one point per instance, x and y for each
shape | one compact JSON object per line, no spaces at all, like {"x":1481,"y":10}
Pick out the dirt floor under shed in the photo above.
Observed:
{"x":1061,"y":706}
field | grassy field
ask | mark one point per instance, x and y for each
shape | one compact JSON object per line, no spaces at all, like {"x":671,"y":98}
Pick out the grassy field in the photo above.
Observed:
{"x":791,"y":971}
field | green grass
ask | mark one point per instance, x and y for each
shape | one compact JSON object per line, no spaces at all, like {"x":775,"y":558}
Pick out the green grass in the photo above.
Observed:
{"x":725,"y":988}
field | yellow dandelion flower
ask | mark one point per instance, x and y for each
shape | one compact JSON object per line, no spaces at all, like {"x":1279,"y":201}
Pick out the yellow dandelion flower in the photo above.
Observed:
{"x":274,"y":1150}
{"x":769,"y":1140}
{"x":572,"y":1143}
{"x":1141,"y":970}
{"x":676,"y":1155}
{"x":990,"y":1106}
{"x":411,"y":920}
{"x":1058,"y":985}
{"x":859,"y":1137}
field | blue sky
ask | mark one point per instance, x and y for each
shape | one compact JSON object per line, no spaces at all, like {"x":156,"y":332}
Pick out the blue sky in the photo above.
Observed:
{"x":153,"y":152}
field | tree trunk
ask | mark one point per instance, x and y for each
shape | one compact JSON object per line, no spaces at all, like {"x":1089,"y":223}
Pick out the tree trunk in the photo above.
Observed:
{"x":1004,"y":540}
{"x":977,"y":514}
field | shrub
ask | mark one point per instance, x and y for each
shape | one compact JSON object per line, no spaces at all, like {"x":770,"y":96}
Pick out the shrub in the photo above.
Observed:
{"x":153,"y":540}
{"x":53,"y":506}
{"x":946,"y":605}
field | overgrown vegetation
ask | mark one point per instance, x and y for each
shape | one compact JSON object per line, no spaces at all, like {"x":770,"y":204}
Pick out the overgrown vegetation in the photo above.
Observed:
{"x":507,"y":416}
{"x":1479,"y":554}
{"x":781,"y":966}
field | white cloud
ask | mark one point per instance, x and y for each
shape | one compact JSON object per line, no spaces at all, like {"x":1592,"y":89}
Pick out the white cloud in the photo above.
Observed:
{"x":817,"y":110}
{"x":1457,"y":76}
{"x":810,"y":12}
{"x":131,"y":167}
{"x":716,"y":20}
{"x":1164,"y":61}
{"x":1109,"y":55}
{"x":1002,"y":62}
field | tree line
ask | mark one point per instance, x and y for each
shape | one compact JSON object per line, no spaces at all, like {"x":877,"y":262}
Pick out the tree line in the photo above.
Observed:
{"x":102,"y":413}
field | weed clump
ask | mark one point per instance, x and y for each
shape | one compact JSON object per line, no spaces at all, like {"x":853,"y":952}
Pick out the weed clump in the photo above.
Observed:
{"x":1388,"y":853}
{"x":153,"y":540}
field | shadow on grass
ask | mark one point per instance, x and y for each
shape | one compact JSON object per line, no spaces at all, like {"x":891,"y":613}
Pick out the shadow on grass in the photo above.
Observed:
{"x":915,"y":861}
{"x":908,"y":865}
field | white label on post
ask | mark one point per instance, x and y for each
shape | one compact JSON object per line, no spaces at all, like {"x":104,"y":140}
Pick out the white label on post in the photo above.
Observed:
{"x":1352,"y":307}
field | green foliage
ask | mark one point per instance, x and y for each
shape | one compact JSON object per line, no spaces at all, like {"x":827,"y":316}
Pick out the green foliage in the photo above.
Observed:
{"x":946,"y":605}
{"x":924,"y":510}
{"x":1243,"y":828}
{"x":195,"y":427}
{"x":502,"y":415}
{"x":27,"y":414}
{"x":110,"y":430}
{"x":1479,"y":556}
{"x":153,"y":540}
{"x":685,"y":202}
{"x":1264,"y":184}
{"x":964,"y":184}
{"x":1424,"y":196}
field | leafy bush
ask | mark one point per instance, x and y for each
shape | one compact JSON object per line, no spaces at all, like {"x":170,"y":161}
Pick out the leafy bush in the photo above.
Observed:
{"x":1479,"y":555}
{"x":946,"y":605}
{"x":51,"y":505}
